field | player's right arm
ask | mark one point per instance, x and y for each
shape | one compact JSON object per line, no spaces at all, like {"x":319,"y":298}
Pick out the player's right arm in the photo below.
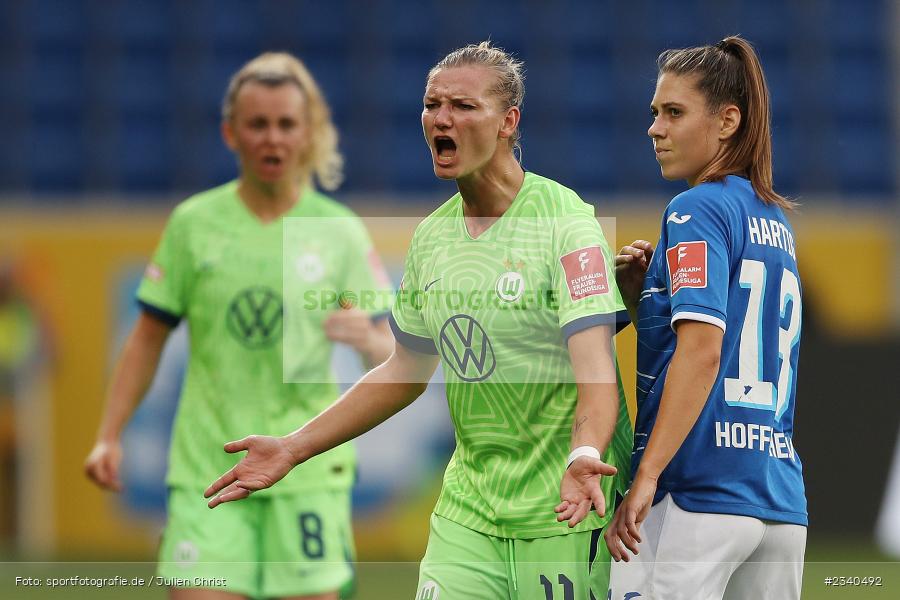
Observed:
{"x":132,"y":377}
{"x":381,"y":393}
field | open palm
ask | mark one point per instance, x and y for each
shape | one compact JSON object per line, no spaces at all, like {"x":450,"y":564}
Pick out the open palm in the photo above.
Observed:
{"x":267,"y":461}
{"x":580,"y":489}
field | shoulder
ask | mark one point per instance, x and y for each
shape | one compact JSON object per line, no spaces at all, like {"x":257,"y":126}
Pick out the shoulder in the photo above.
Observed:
{"x":436,"y":220}
{"x":205,"y":204}
{"x":719,"y":197}
{"x":327,"y":206}
{"x":551,"y":198}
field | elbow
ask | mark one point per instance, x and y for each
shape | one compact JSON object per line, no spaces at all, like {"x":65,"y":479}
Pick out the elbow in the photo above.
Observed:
{"x":701,"y":345}
{"x":707,"y":359}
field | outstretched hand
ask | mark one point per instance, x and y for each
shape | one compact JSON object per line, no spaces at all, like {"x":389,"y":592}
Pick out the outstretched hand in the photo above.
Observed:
{"x":580,"y":488}
{"x":631,"y":266}
{"x":624,"y":530}
{"x":267,"y":461}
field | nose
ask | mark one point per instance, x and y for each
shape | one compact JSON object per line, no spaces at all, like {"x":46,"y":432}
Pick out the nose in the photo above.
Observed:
{"x":656,"y":129}
{"x":443,"y":119}
{"x":273,"y":135}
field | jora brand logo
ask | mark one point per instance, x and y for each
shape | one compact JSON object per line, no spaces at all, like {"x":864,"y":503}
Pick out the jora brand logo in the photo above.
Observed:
{"x":465,"y":346}
{"x":255,"y":317}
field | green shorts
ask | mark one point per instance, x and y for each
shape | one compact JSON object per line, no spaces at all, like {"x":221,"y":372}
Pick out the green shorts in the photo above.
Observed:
{"x":264,"y":546}
{"x":463,"y":564}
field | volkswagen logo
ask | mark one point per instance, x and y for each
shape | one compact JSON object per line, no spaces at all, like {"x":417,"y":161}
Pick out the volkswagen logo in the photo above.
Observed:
{"x":255,"y":317}
{"x":467,"y":349}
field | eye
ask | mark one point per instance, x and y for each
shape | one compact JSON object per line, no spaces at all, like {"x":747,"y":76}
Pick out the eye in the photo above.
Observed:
{"x":674,"y":112}
{"x":466,"y":106}
{"x":257,"y":123}
{"x":431,"y":105}
{"x":653,"y":112}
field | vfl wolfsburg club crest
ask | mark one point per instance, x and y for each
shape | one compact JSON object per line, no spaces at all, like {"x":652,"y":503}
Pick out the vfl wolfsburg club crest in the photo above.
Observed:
{"x":255,"y":317}
{"x":310,"y":267}
{"x":511,"y":284}
{"x":465,"y":346}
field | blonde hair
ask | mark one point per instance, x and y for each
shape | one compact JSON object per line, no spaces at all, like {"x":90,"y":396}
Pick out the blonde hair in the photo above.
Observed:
{"x":274,"y":69}
{"x":510,"y":86}
{"x":730,"y":73}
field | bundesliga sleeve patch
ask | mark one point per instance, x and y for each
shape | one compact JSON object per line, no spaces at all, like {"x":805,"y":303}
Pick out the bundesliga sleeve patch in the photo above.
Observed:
{"x":687,"y":265}
{"x":153,"y":272}
{"x":585,"y":272}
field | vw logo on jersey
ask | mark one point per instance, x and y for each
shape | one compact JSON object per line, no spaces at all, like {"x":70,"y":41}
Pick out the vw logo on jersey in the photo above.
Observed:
{"x":310,"y":267}
{"x":510,"y":286}
{"x":465,"y":346}
{"x":255,"y":317}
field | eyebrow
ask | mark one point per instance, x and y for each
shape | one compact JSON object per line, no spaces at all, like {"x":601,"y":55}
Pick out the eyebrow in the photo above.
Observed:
{"x":668,"y":104}
{"x":454,"y":98}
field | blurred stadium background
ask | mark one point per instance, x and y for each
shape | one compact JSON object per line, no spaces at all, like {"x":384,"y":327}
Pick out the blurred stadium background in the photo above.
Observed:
{"x":109,"y":115}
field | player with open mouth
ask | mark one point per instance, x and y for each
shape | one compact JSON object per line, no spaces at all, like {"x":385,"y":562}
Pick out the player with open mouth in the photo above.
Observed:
{"x":539,"y":413}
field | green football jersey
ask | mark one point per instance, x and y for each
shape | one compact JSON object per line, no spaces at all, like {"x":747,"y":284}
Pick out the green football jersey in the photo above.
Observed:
{"x":499,"y":309}
{"x":259,"y":359}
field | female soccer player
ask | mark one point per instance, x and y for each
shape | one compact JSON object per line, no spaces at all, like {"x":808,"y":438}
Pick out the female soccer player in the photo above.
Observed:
{"x":221,"y":265}
{"x":717,"y":506}
{"x":505,"y":285}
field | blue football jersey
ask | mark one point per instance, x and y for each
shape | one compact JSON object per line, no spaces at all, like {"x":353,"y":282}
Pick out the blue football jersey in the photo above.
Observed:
{"x":726,"y":258}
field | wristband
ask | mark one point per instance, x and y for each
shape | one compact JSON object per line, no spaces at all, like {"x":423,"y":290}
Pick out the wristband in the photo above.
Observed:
{"x":583,"y":451}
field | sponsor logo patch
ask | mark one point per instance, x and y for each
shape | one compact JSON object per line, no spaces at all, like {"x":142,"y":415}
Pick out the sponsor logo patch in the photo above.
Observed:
{"x":255,"y":317}
{"x":674,"y":218}
{"x":585,"y":272}
{"x":466,"y":348}
{"x":687,"y":265}
{"x":153,"y":272}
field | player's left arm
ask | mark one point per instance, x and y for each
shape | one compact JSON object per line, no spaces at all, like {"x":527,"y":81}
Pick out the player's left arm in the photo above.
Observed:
{"x":596,"y":414}
{"x":692,"y":374}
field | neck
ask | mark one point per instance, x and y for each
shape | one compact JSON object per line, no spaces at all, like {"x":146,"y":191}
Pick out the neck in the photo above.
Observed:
{"x":268,"y":201}
{"x":490,"y":191}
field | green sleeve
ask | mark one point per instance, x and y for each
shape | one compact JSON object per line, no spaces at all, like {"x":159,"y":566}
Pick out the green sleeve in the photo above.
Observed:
{"x":406,"y":316}
{"x":164,"y":288}
{"x":584,"y":275}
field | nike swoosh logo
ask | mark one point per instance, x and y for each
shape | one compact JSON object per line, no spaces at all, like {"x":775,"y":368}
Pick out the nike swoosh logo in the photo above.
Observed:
{"x":678,"y":220}
{"x":432,"y":283}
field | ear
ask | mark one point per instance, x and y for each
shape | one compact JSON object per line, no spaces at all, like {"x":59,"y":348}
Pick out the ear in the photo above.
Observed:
{"x":510,"y":122}
{"x":228,"y":135}
{"x":729,"y":121}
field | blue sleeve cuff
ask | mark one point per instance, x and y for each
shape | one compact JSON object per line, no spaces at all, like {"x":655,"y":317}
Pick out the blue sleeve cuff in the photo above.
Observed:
{"x":159,"y":314}
{"x":582,"y":323}
{"x":419,"y":344}
{"x":376,"y":317}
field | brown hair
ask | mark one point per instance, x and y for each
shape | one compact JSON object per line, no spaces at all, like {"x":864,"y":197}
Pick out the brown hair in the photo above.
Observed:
{"x":510,"y":86}
{"x":730,"y":73}
{"x":274,"y":69}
